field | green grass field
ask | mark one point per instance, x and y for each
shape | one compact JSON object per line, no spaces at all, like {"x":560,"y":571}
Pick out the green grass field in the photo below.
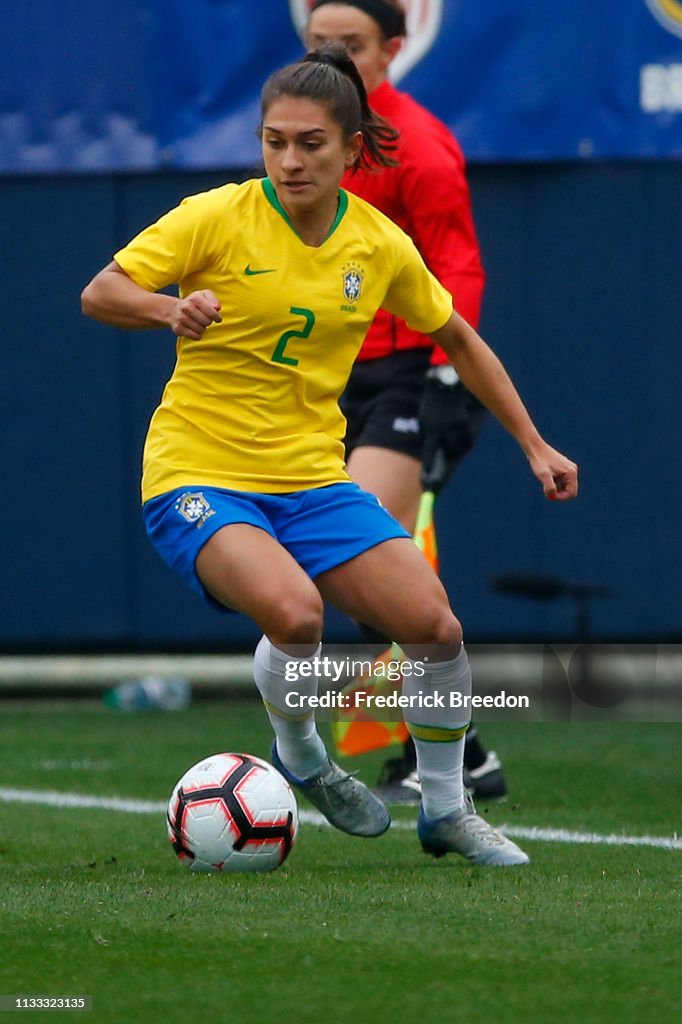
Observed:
{"x":94,"y":902}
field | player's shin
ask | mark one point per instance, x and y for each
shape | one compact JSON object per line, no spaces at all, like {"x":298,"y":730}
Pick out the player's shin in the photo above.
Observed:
{"x":437,"y":718}
{"x":286,"y":683}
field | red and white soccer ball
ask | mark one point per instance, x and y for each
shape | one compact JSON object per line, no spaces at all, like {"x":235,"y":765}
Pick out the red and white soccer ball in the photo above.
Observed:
{"x":232,"y":812}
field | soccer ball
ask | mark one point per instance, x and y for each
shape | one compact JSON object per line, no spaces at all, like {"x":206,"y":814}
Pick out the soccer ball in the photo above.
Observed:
{"x":232,"y":812}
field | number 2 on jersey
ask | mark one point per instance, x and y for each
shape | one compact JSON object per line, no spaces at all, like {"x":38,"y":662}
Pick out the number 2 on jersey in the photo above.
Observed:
{"x":278,"y":355}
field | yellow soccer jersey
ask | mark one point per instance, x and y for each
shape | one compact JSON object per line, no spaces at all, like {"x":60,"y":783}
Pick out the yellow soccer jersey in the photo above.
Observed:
{"x":253,"y":405}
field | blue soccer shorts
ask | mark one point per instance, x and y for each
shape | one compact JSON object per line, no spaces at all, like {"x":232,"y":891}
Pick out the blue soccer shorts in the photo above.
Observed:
{"x":320,"y":528}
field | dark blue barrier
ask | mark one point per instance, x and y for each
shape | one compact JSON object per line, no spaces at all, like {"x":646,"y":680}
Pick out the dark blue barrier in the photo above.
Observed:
{"x":583,"y":304}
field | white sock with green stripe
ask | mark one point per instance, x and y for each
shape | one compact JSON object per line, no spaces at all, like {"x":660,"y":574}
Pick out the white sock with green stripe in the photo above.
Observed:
{"x":439,"y":732}
{"x":299,"y":745}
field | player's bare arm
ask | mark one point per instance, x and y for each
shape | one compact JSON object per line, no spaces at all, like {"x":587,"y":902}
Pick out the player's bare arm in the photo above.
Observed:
{"x":484,"y":375}
{"x":114,"y":298}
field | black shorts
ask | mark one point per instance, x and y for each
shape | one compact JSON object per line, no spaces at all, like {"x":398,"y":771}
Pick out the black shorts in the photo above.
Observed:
{"x":381,"y":402}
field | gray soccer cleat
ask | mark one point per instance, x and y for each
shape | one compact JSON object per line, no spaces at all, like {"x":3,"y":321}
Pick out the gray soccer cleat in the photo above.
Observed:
{"x":471,"y":836}
{"x":346,"y":803}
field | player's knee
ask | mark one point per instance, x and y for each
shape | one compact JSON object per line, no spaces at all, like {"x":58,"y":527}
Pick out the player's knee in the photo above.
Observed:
{"x":445,"y":628}
{"x":439,"y":630}
{"x":440,"y":635}
{"x":296,"y":619}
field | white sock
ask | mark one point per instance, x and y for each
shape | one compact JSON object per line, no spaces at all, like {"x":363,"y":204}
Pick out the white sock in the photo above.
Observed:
{"x":299,"y":745}
{"x":439,"y":732}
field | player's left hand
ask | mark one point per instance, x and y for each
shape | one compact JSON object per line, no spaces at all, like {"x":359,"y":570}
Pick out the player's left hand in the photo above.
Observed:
{"x":557,"y":474}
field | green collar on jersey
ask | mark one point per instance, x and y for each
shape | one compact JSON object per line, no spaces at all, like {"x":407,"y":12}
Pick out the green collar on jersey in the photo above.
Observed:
{"x":271,"y":196}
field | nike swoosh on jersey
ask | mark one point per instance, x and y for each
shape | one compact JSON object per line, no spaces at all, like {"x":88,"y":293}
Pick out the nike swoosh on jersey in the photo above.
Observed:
{"x":251,"y":273}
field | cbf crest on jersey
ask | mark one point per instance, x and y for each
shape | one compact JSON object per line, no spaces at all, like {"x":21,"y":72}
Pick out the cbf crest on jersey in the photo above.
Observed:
{"x":423,"y":22}
{"x":668,"y":12}
{"x":352,"y":282}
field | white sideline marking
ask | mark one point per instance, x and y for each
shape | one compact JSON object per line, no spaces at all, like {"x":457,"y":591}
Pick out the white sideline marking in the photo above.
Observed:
{"x":562,"y":835}
{"x":50,"y":798}
{"x":47,"y":798}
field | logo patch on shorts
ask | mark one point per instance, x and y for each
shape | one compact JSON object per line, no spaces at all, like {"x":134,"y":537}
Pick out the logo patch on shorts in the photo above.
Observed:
{"x":406,"y":425}
{"x":193,"y":507}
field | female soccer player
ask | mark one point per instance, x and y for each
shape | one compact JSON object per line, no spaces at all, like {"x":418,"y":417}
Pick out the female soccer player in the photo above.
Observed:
{"x":403,"y":404}
{"x":244,"y":488}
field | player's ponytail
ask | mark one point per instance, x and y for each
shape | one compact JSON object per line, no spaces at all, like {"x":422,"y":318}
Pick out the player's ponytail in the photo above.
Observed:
{"x":328,"y":75}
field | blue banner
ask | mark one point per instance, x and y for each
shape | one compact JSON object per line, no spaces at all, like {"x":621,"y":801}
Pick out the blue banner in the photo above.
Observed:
{"x":144,"y":85}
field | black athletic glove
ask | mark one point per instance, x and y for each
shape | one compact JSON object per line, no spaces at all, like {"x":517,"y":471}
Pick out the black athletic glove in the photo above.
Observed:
{"x":450,"y":418}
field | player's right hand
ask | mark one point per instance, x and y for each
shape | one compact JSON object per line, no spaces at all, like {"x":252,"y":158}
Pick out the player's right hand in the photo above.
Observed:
{"x":192,"y":315}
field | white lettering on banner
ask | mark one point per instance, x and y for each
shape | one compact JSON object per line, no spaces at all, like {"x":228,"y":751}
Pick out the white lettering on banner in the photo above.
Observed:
{"x":660,"y":88}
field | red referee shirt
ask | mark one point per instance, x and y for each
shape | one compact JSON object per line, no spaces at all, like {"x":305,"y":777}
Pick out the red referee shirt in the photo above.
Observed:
{"x":427,"y":195}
